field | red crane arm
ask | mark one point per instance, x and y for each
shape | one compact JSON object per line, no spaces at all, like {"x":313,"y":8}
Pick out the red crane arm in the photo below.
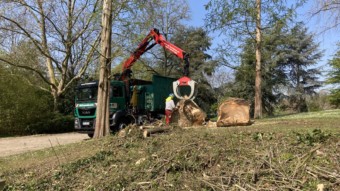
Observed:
{"x":169,"y":46}
{"x":144,"y":47}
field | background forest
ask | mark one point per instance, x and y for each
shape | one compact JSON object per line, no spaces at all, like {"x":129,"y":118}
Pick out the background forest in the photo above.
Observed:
{"x":48,"y":47}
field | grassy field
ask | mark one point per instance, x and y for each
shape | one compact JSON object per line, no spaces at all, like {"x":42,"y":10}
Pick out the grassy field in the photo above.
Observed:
{"x":292,"y":152}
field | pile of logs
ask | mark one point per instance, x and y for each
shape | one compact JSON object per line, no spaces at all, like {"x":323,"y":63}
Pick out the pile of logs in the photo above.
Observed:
{"x":231,"y":112}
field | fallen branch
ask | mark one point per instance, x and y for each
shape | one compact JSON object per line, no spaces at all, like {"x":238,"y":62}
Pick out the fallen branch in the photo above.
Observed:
{"x":148,"y":132}
{"x":303,"y":160}
{"x":142,"y":183}
{"x":319,"y":172}
{"x":146,"y":127}
{"x":238,"y":186}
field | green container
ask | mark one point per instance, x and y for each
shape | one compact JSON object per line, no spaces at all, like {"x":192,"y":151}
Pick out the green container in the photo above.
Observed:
{"x":157,"y":92}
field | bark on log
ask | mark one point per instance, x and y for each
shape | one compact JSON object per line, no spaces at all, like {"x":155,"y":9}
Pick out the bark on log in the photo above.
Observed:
{"x":233,"y":112}
{"x":188,"y":114}
{"x":148,"y":132}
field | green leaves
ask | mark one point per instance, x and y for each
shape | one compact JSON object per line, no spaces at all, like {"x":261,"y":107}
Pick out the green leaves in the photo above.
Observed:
{"x":313,"y":137}
{"x":334,"y":78}
{"x":261,"y":136}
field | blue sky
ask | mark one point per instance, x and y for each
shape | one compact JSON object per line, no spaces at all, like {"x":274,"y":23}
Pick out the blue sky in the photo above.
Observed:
{"x":197,"y":11}
{"x":327,"y":40}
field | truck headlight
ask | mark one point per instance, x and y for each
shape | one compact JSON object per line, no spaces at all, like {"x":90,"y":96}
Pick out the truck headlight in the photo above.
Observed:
{"x":76,"y":123}
{"x":113,"y":122}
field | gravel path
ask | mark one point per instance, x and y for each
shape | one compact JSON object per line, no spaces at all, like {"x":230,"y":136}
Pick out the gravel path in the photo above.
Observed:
{"x":16,"y":145}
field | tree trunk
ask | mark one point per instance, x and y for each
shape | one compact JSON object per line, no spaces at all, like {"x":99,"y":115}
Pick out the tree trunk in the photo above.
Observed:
{"x":102,"y":127}
{"x":55,"y":100}
{"x":258,"y":78}
{"x":49,"y":63}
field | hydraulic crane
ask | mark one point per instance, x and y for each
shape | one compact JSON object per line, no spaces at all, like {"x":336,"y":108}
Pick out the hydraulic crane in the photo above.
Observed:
{"x":145,"y":45}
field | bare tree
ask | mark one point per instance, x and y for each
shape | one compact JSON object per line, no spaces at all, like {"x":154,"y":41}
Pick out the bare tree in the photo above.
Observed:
{"x":329,"y":13}
{"x":63,"y":31}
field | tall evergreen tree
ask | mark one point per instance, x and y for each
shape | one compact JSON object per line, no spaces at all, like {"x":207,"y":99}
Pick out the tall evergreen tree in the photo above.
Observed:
{"x":288,"y":56}
{"x":271,"y":74}
{"x":299,"y":55}
{"x":243,"y":20}
{"x":196,"y":42}
{"x":334,"y":78}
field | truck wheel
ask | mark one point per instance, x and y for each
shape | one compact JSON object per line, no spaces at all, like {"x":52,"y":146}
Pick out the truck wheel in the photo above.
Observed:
{"x":122,"y":125}
{"x":124,"y":122}
{"x":142,"y":120}
{"x":90,"y":135}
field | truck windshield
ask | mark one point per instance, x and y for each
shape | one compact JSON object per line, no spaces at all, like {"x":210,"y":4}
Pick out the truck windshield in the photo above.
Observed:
{"x":88,"y":93}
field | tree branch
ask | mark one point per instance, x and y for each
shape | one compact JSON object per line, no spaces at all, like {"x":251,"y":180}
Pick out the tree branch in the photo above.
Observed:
{"x":29,"y":68}
{"x":83,"y":69}
{"x":28,"y":34}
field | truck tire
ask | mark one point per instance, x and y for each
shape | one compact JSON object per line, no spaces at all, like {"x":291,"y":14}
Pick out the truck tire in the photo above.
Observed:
{"x":122,"y":125}
{"x":125,"y":121}
{"x":90,"y":135}
{"x":142,"y":120}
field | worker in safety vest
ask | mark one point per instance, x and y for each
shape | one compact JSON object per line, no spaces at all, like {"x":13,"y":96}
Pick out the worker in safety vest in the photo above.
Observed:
{"x":169,"y":107}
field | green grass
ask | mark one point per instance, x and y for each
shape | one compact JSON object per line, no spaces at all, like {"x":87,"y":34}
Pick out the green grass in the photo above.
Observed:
{"x":334,"y":113}
{"x":292,"y":152}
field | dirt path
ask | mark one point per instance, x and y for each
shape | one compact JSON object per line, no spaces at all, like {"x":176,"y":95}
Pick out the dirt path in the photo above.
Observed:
{"x":15,"y":145}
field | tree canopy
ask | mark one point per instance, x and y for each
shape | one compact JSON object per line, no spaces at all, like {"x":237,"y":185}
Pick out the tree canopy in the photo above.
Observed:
{"x":289,"y":72}
{"x":334,"y":78}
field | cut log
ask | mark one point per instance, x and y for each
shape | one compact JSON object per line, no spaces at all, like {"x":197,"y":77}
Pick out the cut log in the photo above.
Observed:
{"x":147,"y":127}
{"x":188,"y":114}
{"x":148,"y":132}
{"x":233,"y":112}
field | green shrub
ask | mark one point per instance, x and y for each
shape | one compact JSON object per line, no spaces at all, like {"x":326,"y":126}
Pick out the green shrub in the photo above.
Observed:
{"x":54,"y":123}
{"x":26,"y":109}
{"x":310,"y":138}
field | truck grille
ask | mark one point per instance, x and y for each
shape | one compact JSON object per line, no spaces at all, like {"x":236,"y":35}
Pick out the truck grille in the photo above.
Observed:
{"x":87,"y":123}
{"x":86,"y":111}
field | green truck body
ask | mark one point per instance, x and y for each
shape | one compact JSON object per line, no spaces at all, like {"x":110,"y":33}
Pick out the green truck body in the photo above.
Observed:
{"x":151,"y":96}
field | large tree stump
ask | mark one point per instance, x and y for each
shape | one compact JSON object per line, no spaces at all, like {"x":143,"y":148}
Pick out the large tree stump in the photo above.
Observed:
{"x":188,"y":114}
{"x":233,"y":112}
